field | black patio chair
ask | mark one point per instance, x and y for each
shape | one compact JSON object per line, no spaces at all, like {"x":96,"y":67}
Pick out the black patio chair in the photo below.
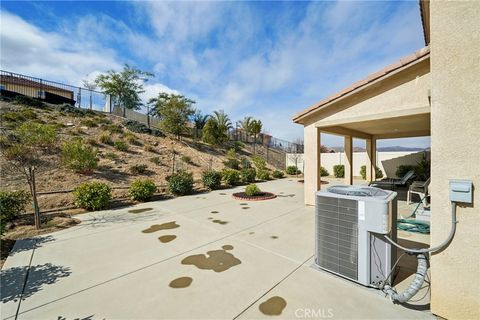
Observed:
{"x":392,"y":183}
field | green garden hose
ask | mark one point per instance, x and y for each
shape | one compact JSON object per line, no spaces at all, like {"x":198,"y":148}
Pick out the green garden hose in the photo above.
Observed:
{"x":413,"y":226}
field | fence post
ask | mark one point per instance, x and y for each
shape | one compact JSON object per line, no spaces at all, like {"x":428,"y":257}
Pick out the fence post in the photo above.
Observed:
{"x":148,"y":117}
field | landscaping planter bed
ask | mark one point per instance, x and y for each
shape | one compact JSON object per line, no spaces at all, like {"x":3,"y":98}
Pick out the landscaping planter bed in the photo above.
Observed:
{"x":259,"y":197}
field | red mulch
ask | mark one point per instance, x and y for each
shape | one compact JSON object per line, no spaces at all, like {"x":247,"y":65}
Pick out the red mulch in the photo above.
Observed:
{"x":262,"y":196}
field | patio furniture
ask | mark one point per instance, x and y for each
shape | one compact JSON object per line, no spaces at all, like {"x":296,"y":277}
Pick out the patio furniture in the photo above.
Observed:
{"x":420,"y":188}
{"x":392,"y":182}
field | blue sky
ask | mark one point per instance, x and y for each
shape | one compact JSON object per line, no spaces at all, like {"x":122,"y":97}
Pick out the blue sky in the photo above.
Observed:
{"x":264,"y":59}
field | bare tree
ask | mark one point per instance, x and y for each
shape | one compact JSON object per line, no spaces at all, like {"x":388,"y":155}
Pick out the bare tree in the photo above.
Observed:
{"x":91,"y":86}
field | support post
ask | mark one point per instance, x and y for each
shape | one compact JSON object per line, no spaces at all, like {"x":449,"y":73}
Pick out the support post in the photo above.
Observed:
{"x":348,"y":144}
{"x":319,"y":159}
{"x":371,"y":145}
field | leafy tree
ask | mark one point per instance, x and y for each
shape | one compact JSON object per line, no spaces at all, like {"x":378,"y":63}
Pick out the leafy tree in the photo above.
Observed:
{"x":255,"y":129}
{"x":24,"y":148}
{"x":174,"y":112}
{"x":212,"y":134}
{"x":124,"y":87}
{"x":199,"y":121}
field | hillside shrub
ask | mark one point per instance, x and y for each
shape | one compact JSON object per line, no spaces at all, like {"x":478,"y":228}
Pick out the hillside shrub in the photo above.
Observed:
{"x":106,"y":138}
{"x":247,"y":175}
{"x":259,"y":162}
{"x":263,"y":175}
{"x":245,"y":163}
{"x":120,"y":145}
{"x":32,"y":133}
{"x":180,"y":183}
{"x":339,"y":171}
{"x":232,"y":162}
{"x":231,"y":176}
{"x":363,"y":172}
{"x":92,"y":195}
{"x":156,"y":160}
{"x":112,"y":128}
{"x":142,"y":190}
{"x":78,"y":156}
{"x":139,"y":127}
{"x":12,"y":204}
{"x":24,"y":114}
{"x":252,"y":190}
{"x":29,"y":101}
{"x":111,"y":155}
{"x":324,"y":172}
{"x":292,"y":170}
{"x":130,"y":138}
{"x":277,"y":174}
{"x":138,"y":169}
{"x":238,"y":146}
{"x":186,"y":159}
{"x":212,"y":179}
{"x":148,"y":147}
{"x":89,"y":123}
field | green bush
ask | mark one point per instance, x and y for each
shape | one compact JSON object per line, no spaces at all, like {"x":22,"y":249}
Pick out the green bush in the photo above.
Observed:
{"x":247,"y":175}
{"x":12,"y":204}
{"x":138,"y":169}
{"x":111,"y":155}
{"x":231,"y":176}
{"x":324,"y":172}
{"x":263,"y":175}
{"x":339,"y":171}
{"x":22,"y":115}
{"x":252,"y":190}
{"x":130,"y":138}
{"x":89,"y":123}
{"x":92,"y":195}
{"x":186,"y":159}
{"x":78,"y":156}
{"x":246,"y":163}
{"x":148,"y":147}
{"x":28,"y":101}
{"x":120,"y":145}
{"x":138,"y":127}
{"x":113,"y":128}
{"x":238,"y":146}
{"x":277,"y":174}
{"x":156,"y":160}
{"x":403,"y":169}
{"x":212,"y":179}
{"x":180,"y":183}
{"x":292,"y":170}
{"x":32,"y":133}
{"x":232,"y":164}
{"x":106,"y":138}
{"x":259,"y":162}
{"x":142,"y":190}
{"x":363,"y":172}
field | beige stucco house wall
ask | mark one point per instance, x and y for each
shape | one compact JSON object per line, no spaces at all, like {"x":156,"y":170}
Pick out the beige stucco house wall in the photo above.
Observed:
{"x":455,"y":121}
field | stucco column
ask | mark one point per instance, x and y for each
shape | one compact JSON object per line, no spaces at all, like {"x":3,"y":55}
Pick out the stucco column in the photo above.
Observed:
{"x":348,"y":145}
{"x":371,"y":145}
{"x":311,"y":163}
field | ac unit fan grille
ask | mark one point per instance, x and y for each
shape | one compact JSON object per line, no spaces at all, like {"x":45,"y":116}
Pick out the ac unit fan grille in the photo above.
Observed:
{"x":337,"y":234}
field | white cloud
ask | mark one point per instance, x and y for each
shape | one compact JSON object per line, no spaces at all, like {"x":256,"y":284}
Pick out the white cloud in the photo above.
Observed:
{"x":153,"y":89}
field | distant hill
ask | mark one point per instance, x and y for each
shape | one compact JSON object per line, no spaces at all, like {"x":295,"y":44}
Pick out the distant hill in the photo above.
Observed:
{"x":382,"y":149}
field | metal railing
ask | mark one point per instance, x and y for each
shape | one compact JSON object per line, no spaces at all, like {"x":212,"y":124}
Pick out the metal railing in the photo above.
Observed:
{"x":13,"y":84}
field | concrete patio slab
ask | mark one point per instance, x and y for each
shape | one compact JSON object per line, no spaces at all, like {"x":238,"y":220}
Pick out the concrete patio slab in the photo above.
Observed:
{"x":107,"y":268}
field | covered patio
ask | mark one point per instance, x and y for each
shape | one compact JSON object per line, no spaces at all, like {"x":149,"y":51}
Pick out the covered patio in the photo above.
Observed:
{"x":391,"y":103}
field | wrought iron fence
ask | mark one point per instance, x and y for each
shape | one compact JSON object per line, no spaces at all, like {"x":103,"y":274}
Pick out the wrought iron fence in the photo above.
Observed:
{"x":14,"y":84}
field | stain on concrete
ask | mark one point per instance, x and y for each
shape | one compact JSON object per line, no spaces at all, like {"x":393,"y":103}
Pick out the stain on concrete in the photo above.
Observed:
{"x":214,"y":212}
{"x":244,"y":204}
{"x":140,"y":210}
{"x":274,"y":237}
{"x":227,"y":247}
{"x":222,"y":194}
{"x":245,"y":208}
{"x":220,"y":221}
{"x":251,"y":232}
{"x":210,"y":218}
{"x":163,"y":226}
{"x":273,"y":306}
{"x":167,"y":238}
{"x":181,"y":282}
{"x":215,"y":260}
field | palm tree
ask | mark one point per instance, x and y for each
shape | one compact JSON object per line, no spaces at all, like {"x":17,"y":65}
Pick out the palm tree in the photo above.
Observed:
{"x":223,"y":123}
{"x":246,"y":124}
{"x":199,"y":121}
{"x":255,"y":129}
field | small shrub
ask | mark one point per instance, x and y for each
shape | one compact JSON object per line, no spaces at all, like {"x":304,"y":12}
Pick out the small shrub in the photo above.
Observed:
{"x":138,"y":169}
{"x":246,"y":163}
{"x":131,"y":138}
{"x":105,"y":138}
{"x":92,"y":195}
{"x":263,"y":175}
{"x":403,"y":169}
{"x":148,"y":147}
{"x":120,"y":145}
{"x":156,"y":160}
{"x":259,"y":162}
{"x":277,"y":174}
{"x":142,"y":190}
{"x":252,"y":190}
{"x":24,"y":114}
{"x":232,"y":164}
{"x":29,"y":101}
{"x":339,"y":171}
{"x":248,"y":175}
{"x":79,"y":156}
{"x":378,"y":172}
{"x":186,"y":159}
{"x":180,"y":183}
{"x":292,"y":170}
{"x":112,"y":128}
{"x":37,"y":134}
{"x":91,"y":141}
{"x":89,"y":123}
{"x":238,"y":146}
{"x":111,"y":155}
{"x":212,"y":179}
{"x":138,"y":127}
{"x":324,"y":172}
{"x":231,"y":176}
{"x":12,"y":204}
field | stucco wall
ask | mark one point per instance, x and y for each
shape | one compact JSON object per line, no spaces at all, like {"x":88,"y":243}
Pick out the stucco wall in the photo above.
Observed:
{"x":310,"y":161}
{"x":455,"y":125}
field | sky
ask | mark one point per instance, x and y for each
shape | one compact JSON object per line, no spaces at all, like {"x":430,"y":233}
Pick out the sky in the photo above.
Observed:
{"x":268,"y":60}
